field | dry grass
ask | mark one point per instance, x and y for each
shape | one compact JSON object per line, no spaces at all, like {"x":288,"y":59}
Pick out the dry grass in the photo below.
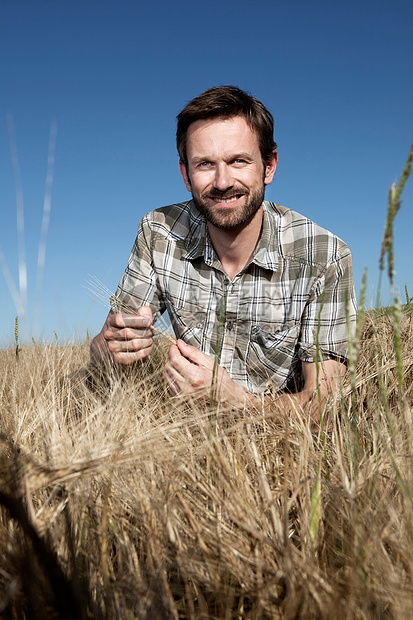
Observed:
{"x":117,"y":502}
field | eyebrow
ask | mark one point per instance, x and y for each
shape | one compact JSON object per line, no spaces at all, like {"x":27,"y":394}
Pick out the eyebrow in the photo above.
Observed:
{"x":244,"y":155}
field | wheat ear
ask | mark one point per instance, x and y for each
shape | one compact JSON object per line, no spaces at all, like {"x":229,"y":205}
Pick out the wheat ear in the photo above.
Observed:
{"x":107,"y":298}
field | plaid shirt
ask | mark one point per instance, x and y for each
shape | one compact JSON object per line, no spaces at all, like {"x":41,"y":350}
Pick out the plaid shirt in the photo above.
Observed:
{"x":293,"y":291}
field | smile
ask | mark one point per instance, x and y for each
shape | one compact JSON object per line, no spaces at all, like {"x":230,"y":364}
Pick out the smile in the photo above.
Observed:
{"x":226,"y":200}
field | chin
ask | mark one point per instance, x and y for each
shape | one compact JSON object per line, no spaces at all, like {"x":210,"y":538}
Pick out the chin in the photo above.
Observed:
{"x":231,"y":219}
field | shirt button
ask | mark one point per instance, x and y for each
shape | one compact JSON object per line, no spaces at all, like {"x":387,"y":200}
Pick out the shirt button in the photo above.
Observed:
{"x":230,"y":325}
{"x":227,"y":281}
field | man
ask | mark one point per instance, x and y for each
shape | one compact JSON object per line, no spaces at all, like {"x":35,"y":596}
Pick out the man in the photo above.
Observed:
{"x":252,"y":285}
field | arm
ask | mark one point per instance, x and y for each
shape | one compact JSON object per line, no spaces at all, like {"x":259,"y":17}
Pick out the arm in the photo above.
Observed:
{"x":330,"y":374}
{"x":124,"y":338}
{"x":189,"y":371}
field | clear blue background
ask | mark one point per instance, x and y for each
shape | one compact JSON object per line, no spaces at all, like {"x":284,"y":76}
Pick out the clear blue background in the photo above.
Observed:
{"x":337,"y":77}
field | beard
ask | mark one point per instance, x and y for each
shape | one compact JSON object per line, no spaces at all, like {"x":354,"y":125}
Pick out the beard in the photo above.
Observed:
{"x":230,"y":219}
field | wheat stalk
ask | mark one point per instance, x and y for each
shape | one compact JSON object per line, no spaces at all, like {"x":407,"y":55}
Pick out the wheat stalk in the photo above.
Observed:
{"x":109,"y":299}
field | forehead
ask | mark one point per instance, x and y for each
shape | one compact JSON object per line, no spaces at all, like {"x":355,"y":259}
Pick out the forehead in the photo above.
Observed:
{"x":221,"y":135}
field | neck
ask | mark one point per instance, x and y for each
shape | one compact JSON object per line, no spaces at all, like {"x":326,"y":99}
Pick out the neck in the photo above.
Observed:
{"x":236,"y":247}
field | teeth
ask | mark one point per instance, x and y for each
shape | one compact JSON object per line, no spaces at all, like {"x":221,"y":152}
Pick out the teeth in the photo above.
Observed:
{"x":232,"y":199}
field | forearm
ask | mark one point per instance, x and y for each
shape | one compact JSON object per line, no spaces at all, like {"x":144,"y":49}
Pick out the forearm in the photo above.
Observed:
{"x":188,"y":371}
{"x":307,"y":405}
{"x":321,"y":383}
{"x":283,"y":403}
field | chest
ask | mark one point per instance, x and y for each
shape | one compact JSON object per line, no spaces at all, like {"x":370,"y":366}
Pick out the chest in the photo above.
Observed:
{"x":274,"y":298}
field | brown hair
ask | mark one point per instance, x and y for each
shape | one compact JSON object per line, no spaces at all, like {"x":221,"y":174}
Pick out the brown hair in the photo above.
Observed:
{"x":227,"y":102}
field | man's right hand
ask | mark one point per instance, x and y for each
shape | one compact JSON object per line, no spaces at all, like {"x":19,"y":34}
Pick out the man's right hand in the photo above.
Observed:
{"x":126,"y":338}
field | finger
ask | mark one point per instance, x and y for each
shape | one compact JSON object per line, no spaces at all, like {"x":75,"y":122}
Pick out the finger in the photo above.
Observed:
{"x":195,"y":355}
{"x":175,"y":370}
{"x":187,"y":376}
{"x":130,"y":345}
{"x":173,"y":387}
{"x":146,"y":313}
{"x":179,"y":373}
{"x":128,"y":358}
{"x":180,"y":364}
{"x":127,"y":326}
{"x":124,"y":335}
{"x":134,"y":321}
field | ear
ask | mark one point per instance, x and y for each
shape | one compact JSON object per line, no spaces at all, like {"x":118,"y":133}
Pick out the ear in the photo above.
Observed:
{"x":271,"y":167}
{"x":185,"y":176}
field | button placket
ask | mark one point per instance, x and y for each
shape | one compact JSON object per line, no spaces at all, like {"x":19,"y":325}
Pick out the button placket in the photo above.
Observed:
{"x":227,"y":355}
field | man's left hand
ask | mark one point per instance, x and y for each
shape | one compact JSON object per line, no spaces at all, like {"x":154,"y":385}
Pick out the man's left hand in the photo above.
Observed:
{"x":189,"y":371}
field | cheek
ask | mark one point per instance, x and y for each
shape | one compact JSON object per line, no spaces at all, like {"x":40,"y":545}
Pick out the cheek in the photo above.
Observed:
{"x":199,"y":184}
{"x":251,"y":179}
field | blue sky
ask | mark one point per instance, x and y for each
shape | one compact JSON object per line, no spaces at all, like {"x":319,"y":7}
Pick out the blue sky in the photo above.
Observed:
{"x":112,"y":75}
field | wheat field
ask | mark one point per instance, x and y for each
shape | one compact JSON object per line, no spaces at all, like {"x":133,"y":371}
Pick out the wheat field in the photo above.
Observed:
{"x":117,"y":501}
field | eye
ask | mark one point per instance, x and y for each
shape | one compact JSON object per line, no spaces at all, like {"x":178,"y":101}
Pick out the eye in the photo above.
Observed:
{"x":239,"y":161}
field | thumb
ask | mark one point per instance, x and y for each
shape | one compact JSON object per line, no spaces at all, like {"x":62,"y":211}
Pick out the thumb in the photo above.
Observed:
{"x":145,"y":311}
{"x":194,"y":355}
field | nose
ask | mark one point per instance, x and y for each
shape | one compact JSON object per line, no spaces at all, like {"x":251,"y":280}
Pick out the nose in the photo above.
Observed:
{"x":223,"y":178}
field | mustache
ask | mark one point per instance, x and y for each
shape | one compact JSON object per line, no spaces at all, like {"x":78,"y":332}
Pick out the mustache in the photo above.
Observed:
{"x":228,"y":193}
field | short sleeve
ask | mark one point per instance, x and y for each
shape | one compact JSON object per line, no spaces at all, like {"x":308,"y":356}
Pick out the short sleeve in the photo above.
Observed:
{"x":324,"y":321}
{"x":139,"y":283}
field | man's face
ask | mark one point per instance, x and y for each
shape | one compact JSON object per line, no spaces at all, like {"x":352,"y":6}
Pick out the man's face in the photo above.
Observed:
{"x":225,"y":172}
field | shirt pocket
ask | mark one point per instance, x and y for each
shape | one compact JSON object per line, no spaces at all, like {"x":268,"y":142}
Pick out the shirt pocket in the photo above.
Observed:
{"x":188,"y":322}
{"x":272,"y":355}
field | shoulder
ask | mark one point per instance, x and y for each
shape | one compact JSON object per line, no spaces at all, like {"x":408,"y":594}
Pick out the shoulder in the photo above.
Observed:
{"x":301,"y":239}
{"x":174,"y":221}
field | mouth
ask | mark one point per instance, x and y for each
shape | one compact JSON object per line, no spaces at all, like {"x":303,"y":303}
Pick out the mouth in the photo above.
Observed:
{"x":226,"y":199}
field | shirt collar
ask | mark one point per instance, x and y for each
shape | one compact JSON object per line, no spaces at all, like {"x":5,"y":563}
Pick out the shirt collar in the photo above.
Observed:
{"x":266,"y":252}
{"x":198,"y":242}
